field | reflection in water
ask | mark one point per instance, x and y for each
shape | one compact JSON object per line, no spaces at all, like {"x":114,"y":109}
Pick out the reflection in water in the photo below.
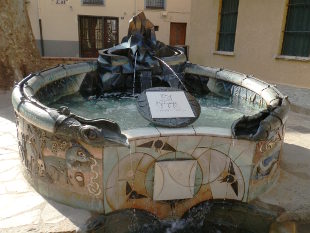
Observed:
{"x":208,"y":217}
{"x":216,"y":111}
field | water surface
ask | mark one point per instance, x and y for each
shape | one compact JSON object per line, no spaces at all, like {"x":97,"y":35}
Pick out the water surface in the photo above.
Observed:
{"x":216,"y":111}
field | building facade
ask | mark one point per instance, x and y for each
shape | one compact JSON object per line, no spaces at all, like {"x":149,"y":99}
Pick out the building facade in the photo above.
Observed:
{"x":78,"y":28}
{"x":267,"y":39}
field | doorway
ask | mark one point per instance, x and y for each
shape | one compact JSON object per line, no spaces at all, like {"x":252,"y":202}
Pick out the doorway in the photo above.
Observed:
{"x":97,"y":33}
{"x":177,"y":34}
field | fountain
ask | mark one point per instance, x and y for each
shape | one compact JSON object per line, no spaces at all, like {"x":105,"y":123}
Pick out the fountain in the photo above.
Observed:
{"x":144,"y":129}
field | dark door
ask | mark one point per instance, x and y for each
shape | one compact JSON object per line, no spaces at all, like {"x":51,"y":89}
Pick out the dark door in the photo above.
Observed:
{"x":97,"y":33}
{"x":177,"y":33}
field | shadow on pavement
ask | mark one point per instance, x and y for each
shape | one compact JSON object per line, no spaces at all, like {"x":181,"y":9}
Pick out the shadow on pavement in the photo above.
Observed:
{"x":6,"y":108}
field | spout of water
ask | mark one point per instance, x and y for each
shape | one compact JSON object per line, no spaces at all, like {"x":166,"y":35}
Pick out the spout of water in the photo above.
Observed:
{"x":171,"y":70}
{"x":134,"y":75}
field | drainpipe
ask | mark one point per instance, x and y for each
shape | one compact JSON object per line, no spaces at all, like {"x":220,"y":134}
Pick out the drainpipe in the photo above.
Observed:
{"x":41,"y":38}
{"x":41,"y":31}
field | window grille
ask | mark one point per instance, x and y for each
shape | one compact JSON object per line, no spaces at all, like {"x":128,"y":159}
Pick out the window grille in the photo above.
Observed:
{"x":155,"y":4}
{"x":93,"y":2}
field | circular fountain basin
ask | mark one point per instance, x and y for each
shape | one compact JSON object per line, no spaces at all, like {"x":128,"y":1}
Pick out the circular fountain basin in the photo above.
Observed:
{"x":101,"y":155}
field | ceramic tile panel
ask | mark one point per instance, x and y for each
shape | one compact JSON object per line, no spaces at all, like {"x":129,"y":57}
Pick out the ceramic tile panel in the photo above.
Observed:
{"x":174,"y":180}
{"x":168,"y":156}
{"x":181,"y":155}
{"x":245,"y":159}
{"x":218,"y":163}
{"x":147,"y":146}
{"x":176,"y":131}
{"x":230,"y":184}
{"x":246,"y":174}
{"x":206,"y":142}
{"x":204,"y":163}
{"x":188,"y":144}
{"x":241,"y":148}
{"x":110,"y":159}
{"x":112,"y":178}
{"x":145,"y":163}
{"x":124,"y":151}
{"x":218,"y":190}
{"x":128,"y":165}
{"x":138,"y":185}
{"x":213,"y":131}
{"x":141,"y":133}
{"x":221,"y":144}
{"x":198,"y":152}
{"x":107,"y":208}
{"x":173,"y":141}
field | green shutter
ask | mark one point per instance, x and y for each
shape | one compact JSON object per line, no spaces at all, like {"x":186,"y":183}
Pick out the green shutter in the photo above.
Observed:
{"x":296,"y":41}
{"x":229,"y":15}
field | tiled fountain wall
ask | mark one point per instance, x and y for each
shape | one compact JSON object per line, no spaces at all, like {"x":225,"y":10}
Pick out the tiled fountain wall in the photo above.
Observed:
{"x":112,"y":178}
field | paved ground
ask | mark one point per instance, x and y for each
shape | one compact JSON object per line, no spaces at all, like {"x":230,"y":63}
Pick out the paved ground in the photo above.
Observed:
{"x":299,"y":98}
{"x":23,"y":210}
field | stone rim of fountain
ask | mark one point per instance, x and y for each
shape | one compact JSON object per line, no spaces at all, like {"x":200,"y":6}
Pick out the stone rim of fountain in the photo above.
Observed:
{"x":25,"y":104}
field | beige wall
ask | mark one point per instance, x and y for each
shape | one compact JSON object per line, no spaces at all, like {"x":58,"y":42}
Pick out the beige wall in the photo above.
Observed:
{"x":258,"y":41}
{"x":60,"y":22}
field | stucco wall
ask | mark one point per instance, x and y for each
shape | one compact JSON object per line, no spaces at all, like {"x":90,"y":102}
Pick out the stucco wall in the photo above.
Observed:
{"x":60,"y":21}
{"x":258,"y":41}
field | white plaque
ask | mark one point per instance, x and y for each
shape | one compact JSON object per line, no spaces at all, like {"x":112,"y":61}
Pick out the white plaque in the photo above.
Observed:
{"x":169,"y":104}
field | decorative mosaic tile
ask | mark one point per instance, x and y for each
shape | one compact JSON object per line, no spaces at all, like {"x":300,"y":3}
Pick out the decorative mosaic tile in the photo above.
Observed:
{"x":168,"y":156}
{"x":199,"y":151}
{"x":246,"y":177}
{"x":181,"y":155}
{"x":218,"y":163}
{"x":239,"y":147}
{"x":124,"y":151}
{"x":107,"y":208}
{"x":188,"y":144}
{"x":204,"y":163}
{"x":138,"y":185}
{"x":221,"y":144}
{"x":245,"y":159}
{"x":128,"y":165}
{"x":145,"y":163}
{"x":173,"y":141}
{"x":110,"y":159}
{"x":174,"y":180}
{"x":147,"y":146}
{"x":218,"y":190}
{"x":206,"y":142}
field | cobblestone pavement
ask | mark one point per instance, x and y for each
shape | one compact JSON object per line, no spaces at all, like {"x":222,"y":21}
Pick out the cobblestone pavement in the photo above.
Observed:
{"x":24,"y":210}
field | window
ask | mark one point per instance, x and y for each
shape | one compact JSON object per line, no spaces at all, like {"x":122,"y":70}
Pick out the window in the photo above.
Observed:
{"x":229,"y":14}
{"x":93,"y":2}
{"x":296,"y":40}
{"x":155,"y":4}
{"x":96,"y":33}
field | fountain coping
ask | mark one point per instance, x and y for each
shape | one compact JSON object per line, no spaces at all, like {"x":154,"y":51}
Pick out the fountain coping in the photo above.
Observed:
{"x":25,"y":104}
